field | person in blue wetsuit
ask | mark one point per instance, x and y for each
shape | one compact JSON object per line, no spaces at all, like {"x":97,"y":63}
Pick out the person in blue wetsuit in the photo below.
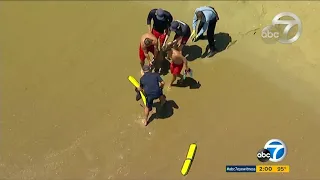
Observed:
{"x":151,"y":84}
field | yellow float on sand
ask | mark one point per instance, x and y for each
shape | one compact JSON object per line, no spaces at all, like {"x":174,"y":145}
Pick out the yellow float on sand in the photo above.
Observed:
{"x":187,"y":163}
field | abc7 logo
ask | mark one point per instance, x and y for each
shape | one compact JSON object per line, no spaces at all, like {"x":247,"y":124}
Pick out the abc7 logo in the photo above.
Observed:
{"x":279,"y":31}
{"x":274,"y":150}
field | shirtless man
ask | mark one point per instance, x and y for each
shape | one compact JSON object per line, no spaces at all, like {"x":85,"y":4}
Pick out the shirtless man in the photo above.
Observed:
{"x":148,"y":43}
{"x":177,"y":63}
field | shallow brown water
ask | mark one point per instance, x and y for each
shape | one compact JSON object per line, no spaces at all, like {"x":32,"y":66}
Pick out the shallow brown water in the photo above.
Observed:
{"x":68,"y":110}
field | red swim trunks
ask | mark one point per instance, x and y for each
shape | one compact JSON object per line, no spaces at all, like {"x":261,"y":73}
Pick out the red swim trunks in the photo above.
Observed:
{"x":141,"y":53}
{"x":160,"y":36}
{"x":176,"y":68}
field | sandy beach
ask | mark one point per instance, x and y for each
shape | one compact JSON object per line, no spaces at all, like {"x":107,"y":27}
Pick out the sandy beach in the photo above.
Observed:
{"x":68,"y":110}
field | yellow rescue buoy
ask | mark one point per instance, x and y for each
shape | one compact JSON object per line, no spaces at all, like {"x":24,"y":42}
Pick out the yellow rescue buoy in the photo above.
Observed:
{"x":191,"y":151}
{"x":187,"y":163}
{"x":186,"y":166}
{"x":137,"y":84}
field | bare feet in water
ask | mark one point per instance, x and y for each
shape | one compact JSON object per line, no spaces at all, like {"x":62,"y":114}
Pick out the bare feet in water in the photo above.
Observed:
{"x":145,"y":122}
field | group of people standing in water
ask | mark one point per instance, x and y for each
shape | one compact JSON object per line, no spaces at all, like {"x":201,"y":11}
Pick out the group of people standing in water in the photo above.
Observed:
{"x":155,"y":42}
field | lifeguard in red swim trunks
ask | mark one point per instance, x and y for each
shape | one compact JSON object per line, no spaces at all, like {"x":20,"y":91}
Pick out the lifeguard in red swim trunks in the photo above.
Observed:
{"x":148,"y":43}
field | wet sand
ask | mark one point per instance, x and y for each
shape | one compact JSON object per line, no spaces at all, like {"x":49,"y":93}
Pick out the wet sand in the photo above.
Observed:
{"x":69,"y":112}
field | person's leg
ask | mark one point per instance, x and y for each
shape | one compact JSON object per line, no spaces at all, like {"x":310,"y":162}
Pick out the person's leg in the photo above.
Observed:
{"x":162,"y":98}
{"x":162,"y":37}
{"x":176,"y":72}
{"x":154,"y":59}
{"x":146,"y":113}
{"x":147,"y":109}
{"x":141,"y":56}
{"x":157,"y":35}
{"x":174,"y":77}
{"x":210,"y":35}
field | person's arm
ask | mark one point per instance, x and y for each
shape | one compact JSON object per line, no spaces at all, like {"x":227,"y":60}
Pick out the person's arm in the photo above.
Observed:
{"x":178,"y":41}
{"x":194,"y":21}
{"x":162,"y":83}
{"x":203,"y":29}
{"x":146,"y":54}
{"x":155,"y":55}
{"x":167,"y":31}
{"x":150,"y":15}
{"x":175,"y":42}
{"x":160,"y":80}
{"x":172,"y":43}
{"x":156,"y":51}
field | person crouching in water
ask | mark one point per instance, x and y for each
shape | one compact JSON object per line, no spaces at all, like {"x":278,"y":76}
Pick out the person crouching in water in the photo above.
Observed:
{"x":178,"y":61}
{"x":151,"y":84}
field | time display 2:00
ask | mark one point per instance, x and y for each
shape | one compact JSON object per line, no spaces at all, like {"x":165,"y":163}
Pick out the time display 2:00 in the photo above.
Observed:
{"x":265,"y":169}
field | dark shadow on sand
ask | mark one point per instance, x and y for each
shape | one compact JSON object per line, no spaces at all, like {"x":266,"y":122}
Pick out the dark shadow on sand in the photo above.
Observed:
{"x":188,"y":82}
{"x":222,"y":40}
{"x":163,"y":63}
{"x":163,"y":112}
{"x":192,"y":52}
{"x":165,"y":67}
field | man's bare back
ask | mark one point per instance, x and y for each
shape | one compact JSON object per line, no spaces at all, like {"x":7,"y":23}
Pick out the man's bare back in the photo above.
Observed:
{"x":176,"y":56}
{"x":148,"y":43}
{"x":149,"y":36}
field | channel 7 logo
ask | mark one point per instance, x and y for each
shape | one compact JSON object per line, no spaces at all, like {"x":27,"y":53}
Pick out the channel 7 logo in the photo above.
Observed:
{"x":272,"y":33}
{"x":274,"y":150}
